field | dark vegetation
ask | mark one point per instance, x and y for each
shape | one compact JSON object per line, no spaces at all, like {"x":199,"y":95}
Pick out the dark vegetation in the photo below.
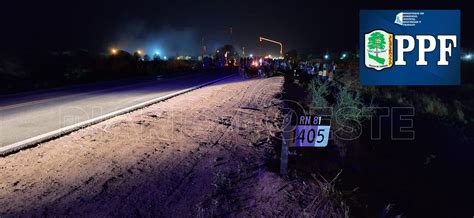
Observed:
{"x":32,"y":71}
{"x":428,"y":176}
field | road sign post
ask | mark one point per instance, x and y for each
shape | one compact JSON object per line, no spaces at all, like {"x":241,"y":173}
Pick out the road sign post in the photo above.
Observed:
{"x":302,"y":131}
{"x":285,"y":144}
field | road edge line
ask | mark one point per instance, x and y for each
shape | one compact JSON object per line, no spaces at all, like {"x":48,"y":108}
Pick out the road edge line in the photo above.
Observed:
{"x":32,"y":142}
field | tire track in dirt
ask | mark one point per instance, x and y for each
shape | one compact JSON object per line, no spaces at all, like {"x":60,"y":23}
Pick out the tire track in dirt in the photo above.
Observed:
{"x":170,"y":159}
{"x":176,"y":168}
{"x":224,"y":109}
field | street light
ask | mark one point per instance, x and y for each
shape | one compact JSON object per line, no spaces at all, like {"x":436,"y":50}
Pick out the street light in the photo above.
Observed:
{"x":273,"y":41}
{"x":326,"y":56}
{"x":114,"y":51}
{"x":467,"y":57}
{"x":139,"y":52}
{"x":343,"y":56}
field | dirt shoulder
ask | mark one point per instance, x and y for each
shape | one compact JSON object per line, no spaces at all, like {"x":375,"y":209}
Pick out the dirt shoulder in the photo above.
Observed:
{"x":202,"y":153}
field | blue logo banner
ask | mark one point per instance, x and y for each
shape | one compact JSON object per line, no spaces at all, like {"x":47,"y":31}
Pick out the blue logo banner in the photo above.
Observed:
{"x":410,"y":47}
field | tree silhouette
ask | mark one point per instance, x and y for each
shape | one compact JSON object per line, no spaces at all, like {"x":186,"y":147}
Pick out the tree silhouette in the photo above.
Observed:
{"x":376,"y":41}
{"x":137,"y":56}
{"x":156,"y":57}
{"x":230,"y":51}
{"x":292,"y":54}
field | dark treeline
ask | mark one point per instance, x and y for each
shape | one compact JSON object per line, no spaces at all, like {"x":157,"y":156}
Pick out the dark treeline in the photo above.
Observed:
{"x":27,"y":72}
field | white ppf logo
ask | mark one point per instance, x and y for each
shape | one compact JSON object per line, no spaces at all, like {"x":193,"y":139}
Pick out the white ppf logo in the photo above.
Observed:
{"x":378,"y":50}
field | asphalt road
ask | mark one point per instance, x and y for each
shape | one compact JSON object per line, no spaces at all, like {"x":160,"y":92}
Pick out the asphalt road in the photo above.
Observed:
{"x":31,"y":114}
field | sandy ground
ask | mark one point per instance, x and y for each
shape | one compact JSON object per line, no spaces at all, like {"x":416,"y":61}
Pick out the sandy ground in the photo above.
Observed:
{"x":198,"y":154}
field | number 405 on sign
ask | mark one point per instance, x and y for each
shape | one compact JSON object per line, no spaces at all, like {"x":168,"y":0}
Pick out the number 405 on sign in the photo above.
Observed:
{"x":309,"y":131}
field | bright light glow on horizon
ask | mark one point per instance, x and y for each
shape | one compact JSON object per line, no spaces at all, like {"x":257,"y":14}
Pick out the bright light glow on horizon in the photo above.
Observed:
{"x":468,"y":57}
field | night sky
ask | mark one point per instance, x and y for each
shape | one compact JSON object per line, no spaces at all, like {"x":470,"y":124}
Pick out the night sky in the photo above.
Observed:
{"x":179,"y":26}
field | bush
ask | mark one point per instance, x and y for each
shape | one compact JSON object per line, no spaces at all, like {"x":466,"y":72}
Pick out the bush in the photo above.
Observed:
{"x":25,"y":72}
{"x":350,"y":110}
{"x":459,"y":112}
{"x":178,"y":65}
{"x":433,"y":105}
{"x":76,"y":74}
{"x":11,"y":67}
{"x":318,"y":92}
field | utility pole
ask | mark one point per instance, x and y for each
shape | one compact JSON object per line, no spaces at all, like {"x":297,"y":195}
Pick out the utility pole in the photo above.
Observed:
{"x":203,"y":47}
{"x":231,"y":38}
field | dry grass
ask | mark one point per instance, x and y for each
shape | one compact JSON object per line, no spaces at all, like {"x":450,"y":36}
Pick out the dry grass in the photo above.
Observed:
{"x":434,"y":106}
{"x":319,"y":197}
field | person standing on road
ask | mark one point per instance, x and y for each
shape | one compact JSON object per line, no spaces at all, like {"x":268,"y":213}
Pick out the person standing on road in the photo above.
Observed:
{"x":332,"y":72}
{"x":325,"y":73}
